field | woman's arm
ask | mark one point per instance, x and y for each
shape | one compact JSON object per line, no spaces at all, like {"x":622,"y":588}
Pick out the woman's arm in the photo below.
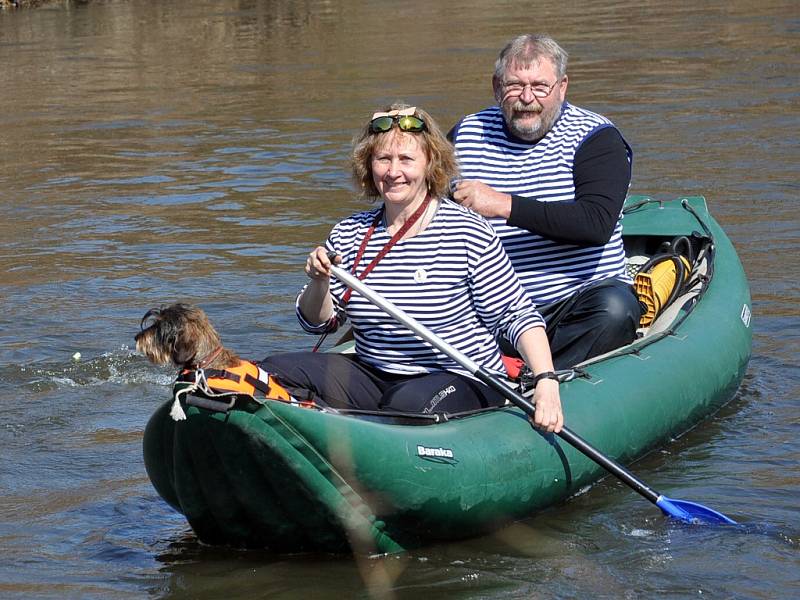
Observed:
{"x":535,"y":349}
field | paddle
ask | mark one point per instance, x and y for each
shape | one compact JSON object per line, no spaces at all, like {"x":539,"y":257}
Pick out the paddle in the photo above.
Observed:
{"x":680,"y":509}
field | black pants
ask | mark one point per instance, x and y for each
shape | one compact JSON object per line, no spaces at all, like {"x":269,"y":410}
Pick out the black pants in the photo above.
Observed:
{"x":343,"y":381}
{"x":600,"y":318}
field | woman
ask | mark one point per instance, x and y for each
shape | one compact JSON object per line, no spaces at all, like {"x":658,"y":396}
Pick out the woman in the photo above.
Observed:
{"x":440,"y":263}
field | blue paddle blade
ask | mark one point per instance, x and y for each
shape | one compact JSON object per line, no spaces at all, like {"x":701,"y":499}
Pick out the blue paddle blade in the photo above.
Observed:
{"x":691,"y":512}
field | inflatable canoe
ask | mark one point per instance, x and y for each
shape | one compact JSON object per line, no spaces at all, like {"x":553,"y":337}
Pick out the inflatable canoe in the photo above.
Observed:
{"x":276,"y":475}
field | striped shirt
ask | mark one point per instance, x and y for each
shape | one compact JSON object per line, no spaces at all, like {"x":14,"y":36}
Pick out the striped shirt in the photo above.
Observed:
{"x":549,"y":270}
{"x":454,"y":278}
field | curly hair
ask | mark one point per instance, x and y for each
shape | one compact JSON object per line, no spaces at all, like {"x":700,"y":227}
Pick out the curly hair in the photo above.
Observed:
{"x":442,"y":164}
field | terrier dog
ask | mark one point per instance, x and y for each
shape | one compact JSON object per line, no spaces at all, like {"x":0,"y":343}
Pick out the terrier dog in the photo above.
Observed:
{"x":181,"y":334}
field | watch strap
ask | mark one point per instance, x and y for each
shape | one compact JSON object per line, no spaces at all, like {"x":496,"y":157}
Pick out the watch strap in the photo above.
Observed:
{"x":544,"y":375}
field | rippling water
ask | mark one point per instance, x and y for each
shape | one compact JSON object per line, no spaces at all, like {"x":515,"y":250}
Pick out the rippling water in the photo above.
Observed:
{"x":197,"y":150}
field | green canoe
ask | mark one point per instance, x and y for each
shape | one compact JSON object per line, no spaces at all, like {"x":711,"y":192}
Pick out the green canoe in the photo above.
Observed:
{"x":292,"y":479}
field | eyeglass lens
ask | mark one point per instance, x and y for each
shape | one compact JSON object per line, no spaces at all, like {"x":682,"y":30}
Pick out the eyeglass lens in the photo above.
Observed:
{"x":540,"y":90}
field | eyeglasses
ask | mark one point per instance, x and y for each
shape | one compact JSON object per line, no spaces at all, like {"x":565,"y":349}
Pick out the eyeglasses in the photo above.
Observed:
{"x":539,"y":90}
{"x":405,"y":119}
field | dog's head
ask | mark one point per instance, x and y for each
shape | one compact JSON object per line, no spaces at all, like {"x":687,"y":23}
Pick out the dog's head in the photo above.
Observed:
{"x":178,"y":333}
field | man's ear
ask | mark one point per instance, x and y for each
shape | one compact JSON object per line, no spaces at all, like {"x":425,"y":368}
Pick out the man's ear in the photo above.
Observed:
{"x":497,"y":89}
{"x":564,"y":87}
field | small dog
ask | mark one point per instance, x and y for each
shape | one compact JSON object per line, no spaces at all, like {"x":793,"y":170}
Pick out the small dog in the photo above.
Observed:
{"x":181,"y":334}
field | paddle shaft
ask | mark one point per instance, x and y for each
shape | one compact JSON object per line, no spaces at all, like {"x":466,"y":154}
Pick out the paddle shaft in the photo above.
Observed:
{"x":493,"y":382}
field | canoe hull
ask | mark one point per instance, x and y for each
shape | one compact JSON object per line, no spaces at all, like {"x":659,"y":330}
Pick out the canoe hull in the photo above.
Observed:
{"x":294,"y":479}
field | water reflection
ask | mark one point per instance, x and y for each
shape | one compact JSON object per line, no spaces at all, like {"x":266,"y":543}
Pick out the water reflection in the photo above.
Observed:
{"x":197,"y":150}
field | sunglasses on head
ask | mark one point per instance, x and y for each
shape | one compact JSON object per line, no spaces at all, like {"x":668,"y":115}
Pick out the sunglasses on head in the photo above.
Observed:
{"x":405,"y":119}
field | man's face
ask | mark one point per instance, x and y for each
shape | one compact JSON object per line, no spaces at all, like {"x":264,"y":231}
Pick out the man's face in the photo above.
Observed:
{"x":527,"y":116}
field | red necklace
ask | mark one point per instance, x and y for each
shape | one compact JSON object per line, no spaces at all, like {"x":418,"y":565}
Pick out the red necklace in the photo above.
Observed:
{"x":395,"y":238}
{"x":388,"y":246}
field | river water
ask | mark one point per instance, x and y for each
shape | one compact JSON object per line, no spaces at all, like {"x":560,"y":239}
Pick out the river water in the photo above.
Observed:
{"x":196,"y":150}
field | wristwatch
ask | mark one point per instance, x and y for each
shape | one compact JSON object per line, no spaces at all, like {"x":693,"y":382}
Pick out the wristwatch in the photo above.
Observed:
{"x":544,"y":375}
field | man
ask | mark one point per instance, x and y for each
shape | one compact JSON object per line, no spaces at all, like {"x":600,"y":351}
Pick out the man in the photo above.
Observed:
{"x":552,"y":179}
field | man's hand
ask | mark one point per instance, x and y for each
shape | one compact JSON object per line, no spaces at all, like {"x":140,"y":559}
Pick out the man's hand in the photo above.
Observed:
{"x":482,"y":199}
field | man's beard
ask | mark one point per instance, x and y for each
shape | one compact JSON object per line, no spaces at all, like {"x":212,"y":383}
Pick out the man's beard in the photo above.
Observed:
{"x":530,"y":133}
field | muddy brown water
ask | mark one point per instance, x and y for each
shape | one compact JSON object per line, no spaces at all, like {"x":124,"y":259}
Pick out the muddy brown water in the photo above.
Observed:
{"x":197,"y":150}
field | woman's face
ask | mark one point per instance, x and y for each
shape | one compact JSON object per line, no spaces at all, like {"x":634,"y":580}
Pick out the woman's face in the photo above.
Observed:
{"x":399,"y":168}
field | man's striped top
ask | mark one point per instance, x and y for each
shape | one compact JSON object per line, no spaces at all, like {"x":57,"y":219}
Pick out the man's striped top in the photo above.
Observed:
{"x":454,"y":278}
{"x":550,"y":270}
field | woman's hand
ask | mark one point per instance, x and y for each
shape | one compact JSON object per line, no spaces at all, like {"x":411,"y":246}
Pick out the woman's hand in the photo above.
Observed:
{"x":315,"y":302}
{"x":318,"y":265}
{"x":549,"y":416}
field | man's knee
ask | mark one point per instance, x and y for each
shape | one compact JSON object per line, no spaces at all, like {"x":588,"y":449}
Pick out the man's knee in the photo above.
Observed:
{"x":602,"y":318}
{"x":621,"y":307}
{"x":616,"y":317}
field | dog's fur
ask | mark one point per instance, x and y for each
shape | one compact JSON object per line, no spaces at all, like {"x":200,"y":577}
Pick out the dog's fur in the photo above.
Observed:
{"x":181,"y":334}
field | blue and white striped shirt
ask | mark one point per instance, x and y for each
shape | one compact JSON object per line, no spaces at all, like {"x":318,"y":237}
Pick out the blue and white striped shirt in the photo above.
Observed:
{"x":454,"y":278}
{"x":549,"y":270}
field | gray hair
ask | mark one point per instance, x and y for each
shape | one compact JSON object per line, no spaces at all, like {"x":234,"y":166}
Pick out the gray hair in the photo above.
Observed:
{"x":527,"y":49}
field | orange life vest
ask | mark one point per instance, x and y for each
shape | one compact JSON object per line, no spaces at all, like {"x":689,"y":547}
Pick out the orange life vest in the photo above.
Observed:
{"x":246,"y":378}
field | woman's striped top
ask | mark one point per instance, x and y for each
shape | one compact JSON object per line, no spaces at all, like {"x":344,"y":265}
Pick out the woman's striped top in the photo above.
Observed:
{"x":454,"y":278}
{"x":549,"y":270}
